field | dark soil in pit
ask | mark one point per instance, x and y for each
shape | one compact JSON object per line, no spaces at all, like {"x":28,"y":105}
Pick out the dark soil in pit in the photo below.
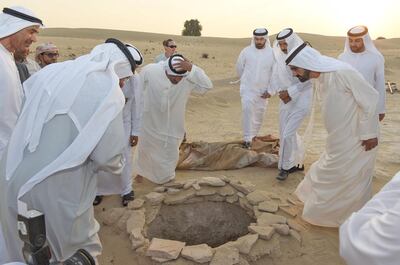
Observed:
{"x":212,"y":223}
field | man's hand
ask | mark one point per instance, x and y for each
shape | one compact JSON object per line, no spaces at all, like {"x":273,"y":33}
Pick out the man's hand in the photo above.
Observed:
{"x":266,"y":95}
{"x":381,"y":116}
{"x":184,"y":65}
{"x":284,"y":96}
{"x":133,"y":140}
{"x":370,"y":143}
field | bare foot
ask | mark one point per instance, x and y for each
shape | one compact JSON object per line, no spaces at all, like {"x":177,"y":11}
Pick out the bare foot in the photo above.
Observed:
{"x":138,"y":179}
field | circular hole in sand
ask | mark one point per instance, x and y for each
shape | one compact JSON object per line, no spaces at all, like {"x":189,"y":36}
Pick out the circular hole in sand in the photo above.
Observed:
{"x":212,"y":223}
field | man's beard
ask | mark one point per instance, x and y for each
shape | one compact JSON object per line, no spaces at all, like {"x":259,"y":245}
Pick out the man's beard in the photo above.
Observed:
{"x":260,"y":46}
{"x":305,"y":77}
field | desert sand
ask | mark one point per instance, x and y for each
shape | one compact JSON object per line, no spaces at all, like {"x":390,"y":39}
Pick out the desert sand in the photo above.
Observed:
{"x":216,"y":117}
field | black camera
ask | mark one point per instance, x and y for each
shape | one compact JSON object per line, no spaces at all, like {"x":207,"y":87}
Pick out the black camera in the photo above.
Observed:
{"x":36,"y":251}
{"x":32,"y":231}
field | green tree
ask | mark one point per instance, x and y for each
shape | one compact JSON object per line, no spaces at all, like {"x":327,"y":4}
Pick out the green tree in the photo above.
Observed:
{"x":192,"y":28}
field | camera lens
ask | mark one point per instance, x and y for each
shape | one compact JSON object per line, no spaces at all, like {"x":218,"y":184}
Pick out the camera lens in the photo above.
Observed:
{"x":81,"y":257}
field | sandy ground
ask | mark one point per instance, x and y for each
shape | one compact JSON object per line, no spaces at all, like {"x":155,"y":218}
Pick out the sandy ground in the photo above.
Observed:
{"x":216,"y":117}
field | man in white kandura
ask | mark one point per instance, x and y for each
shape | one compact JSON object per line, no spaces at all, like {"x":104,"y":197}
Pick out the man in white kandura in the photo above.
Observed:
{"x":254,"y":67}
{"x":371,"y":235}
{"x":122,"y":184}
{"x":339,"y":183}
{"x":70,"y":128}
{"x":18,"y":29}
{"x":166,"y":88}
{"x":361,"y":53}
{"x":295,"y":104}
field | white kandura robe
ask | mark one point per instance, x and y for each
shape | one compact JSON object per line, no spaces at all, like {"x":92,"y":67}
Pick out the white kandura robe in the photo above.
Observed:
{"x":11,"y":96}
{"x":122,"y":184}
{"x":339,"y":183}
{"x":254,"y":67}
{"x":371,"y":236}
{"x":162,"y":125}
{"x":291,"y":115}
{"x":372,"y":68}
{"x":75,"y":226}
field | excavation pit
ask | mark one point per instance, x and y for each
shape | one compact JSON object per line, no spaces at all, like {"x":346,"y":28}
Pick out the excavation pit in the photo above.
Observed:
{"x":211,"y":223}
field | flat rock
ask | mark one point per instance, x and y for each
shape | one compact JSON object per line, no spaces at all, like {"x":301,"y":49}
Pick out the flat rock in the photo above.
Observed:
{"x":245,"y":187}
{"x":180,"y":261}
{"x":160,"y":189}
{"x":264,"y":232}
{"x":226,"y":191}
{"x":257,"y":196}
{"x":135,"y":221}
{"x":215,"y":198}
{"x":225,"y":256}
{"x":198,"y":253}
{"x":257,"y":212}
{"x":264,"y":248}
{"x":143,"y":249}
{"x":268,"y":206}
{"x":266,"y":219}
{"x":180,"y":197}
{"x":281,"y":229}
{"x":151,"y":213}
{"x":196,"y":186}
{"x":245,"y":204}
{"x":292,"y":211}
{"x":189,"y":183}
{"x":205,"y":191}
{"x":112,"y":215}
{"x":176,"y":185}
{"x":135,"y":204}
{"x":160,"y":260}
{"x":154,"y":198}
{"x":232,"y":199}
{"x":211,"y":181}
{"x":165,"y":249}
{"x":225,"y":178}
{"x":136,"y":238}
{"x":121,"y":224}
{"x":240,"y":194}
{"x":173,"y":191}
{"x":245,"y":243}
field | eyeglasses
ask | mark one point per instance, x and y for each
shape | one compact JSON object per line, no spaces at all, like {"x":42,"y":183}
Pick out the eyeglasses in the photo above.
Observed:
{"x":172,"y":46}
{"x":51,"y":54}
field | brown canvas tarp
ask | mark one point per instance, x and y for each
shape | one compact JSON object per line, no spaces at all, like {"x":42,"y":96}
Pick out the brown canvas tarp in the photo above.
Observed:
{"x":229,"y":155}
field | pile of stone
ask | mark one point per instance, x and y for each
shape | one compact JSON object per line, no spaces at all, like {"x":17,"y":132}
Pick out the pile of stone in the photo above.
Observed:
{"x":262,"y":240}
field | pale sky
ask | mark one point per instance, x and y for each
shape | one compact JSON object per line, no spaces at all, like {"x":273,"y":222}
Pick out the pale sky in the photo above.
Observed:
{"x":221,"y":18}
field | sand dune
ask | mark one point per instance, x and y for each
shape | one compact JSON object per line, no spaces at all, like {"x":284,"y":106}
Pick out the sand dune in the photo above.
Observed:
{"x":216,"y":117}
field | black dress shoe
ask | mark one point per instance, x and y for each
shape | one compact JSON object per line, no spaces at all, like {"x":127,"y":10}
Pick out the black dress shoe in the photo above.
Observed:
{"x":127,"y":198}
{"x":247,"y":145}
{"x":97,"y":200}
{"x":283,"y":174}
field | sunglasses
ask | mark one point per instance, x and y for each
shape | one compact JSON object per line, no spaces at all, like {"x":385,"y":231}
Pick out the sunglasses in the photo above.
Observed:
{"x":51,"y":54}
{"x":172,"y":46}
